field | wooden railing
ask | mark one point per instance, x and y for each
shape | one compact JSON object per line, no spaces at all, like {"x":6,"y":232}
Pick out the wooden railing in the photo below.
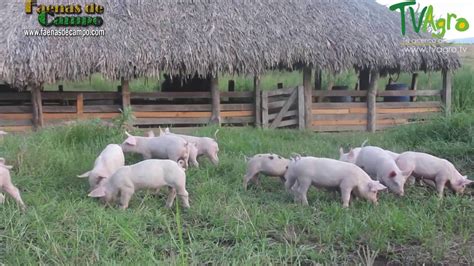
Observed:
{"x":353,"y":115}
{"x":150,"y":109}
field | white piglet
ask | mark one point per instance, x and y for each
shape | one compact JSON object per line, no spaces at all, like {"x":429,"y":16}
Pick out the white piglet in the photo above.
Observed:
{"x":205,"y":146}
{"x":163,"y":147}
{"x":434,"y":171}
{"x":7,"y":186}
{"x":149,"y":174}
{"x":266,"y":164}
{"x":330,"y":173}
{"x":351,"y":156}
{"x":380,"y":164}
{"x":193,"y":152}
{"x":105,"y":165}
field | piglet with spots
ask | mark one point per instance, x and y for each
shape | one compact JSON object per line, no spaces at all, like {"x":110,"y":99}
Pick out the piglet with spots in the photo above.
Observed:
{"x":267,"y":164}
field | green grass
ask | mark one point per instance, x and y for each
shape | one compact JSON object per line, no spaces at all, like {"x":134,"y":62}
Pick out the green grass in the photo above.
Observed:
{"x":225,"y":224}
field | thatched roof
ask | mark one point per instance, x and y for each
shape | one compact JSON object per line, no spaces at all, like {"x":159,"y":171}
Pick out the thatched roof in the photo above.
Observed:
{"x":210,"y":36}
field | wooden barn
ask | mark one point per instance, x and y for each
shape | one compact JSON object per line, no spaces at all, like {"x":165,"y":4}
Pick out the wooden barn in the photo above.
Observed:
{"x":191,"y":42}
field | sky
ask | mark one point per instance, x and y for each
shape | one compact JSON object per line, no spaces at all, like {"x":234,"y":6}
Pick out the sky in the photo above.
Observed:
{"x":462,"y":8}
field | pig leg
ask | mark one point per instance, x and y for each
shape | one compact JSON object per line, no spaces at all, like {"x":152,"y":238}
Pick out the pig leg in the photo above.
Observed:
{"x":440,"y":184}
{"x":2,"y":198}
{"x":125,"y":196}
{"x":171,"y":197}
{"x":346,"y":196}
{"x":15,"y":193}
{"x":184,"y":196}
{"x":251,"y":175}
{"x":301,"y":190}
{"x":193,"y":161}
{"x":429,"y":182}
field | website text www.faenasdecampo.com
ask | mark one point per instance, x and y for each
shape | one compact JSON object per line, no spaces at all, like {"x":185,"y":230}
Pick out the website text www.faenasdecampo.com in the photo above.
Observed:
{"x":64,"y":32}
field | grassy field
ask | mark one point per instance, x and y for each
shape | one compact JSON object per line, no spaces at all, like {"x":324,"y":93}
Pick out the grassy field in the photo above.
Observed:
{"x":225,"y":224}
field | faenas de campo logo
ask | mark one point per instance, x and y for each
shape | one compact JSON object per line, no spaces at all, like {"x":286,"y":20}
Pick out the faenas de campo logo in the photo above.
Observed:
{"x":70,"y":15}
{"x":426,"y":20}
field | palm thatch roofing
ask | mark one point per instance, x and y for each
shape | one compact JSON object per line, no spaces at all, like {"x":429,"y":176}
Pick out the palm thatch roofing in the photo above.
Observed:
{"x":145,"y":38}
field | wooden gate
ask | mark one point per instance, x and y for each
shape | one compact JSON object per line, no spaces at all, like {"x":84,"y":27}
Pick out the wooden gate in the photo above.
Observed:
{"x":283,"y":108}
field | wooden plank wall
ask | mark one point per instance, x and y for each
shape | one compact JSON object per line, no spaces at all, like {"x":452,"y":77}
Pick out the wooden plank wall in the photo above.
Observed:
{"x":150,"y":109}
{"x":352,"y":116}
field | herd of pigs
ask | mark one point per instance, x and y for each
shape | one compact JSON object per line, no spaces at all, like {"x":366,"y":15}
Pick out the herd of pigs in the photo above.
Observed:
{"x":362,"y":172}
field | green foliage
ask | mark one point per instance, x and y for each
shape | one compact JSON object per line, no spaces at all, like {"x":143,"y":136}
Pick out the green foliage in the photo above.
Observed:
{"x":125,"y":119}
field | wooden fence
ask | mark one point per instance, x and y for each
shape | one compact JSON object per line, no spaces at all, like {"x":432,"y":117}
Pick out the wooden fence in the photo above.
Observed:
{"x":353,"y":115}
{"x":150,"y":109}
{"x":283,"y":108}
{"x":21,"y":111}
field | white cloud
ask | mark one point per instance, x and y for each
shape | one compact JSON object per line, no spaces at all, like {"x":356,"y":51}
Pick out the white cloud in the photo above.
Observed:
{"x":462,"y":8}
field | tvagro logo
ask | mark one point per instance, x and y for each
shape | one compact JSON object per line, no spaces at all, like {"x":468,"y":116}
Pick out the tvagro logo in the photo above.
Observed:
{"x":69,"y":15}
{"x":426,"y":20}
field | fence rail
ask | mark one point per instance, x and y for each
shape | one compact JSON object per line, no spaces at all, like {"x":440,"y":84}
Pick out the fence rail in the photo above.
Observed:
{"x":270,"y":109}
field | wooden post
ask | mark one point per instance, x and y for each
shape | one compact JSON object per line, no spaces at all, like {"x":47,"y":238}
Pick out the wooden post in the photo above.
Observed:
{"x":37,"y":106}
{"x":364,"y":81}
{"x":318,"y":79}
{"x":216,"y":102}
{"x":301,"y":109}
{"x":371,"y":102}
{"x":125,"y":93}
{"x":414,"y":83}
{"x":265,"y":109}
{"x":308,"y":97}
{"x":446,"y":91}
{"x":258,"y":101}
{"x":79,"y":105}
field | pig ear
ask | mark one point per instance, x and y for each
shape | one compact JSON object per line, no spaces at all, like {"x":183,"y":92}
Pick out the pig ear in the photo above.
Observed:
{"x":99,"y":192}
{"x":86,"y":174}
{"x":351,"y":153}
{"x":392,"y":174}
{"x":465,"y":181}
{"x":6,"y":166}
{"x":341,"y":151}
{"x":407,"y":173}
{"x":131,"y":140}
{"x":161,"y":132}
{"x":376,"y":186}
{"x":167,"y":130}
